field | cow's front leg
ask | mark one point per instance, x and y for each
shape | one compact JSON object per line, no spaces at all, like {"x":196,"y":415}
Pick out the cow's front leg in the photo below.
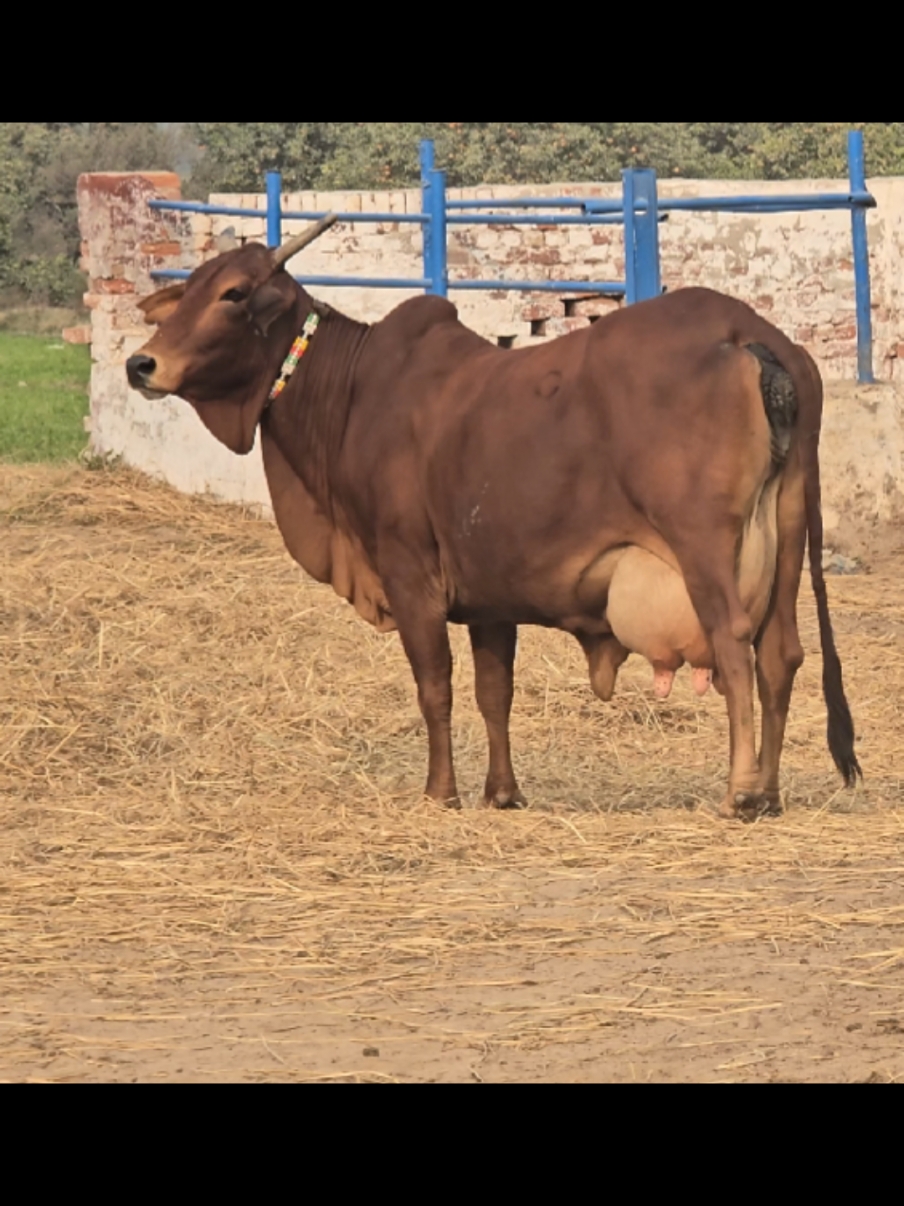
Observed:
{"x":421,"y":618}
{"x":493,"y":646}
{"x":427,"y":646}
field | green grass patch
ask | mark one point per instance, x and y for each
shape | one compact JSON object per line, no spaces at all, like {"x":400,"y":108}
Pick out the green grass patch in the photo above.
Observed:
{"x":43,"y":398}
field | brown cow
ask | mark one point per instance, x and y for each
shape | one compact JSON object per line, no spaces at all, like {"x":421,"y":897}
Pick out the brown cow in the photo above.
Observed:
{"x":648,"y":485}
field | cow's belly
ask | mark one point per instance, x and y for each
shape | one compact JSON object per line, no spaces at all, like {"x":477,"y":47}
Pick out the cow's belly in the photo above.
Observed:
{"x":650,"y":611}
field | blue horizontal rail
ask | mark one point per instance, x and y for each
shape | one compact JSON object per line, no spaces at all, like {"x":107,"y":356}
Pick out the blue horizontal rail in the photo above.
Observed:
{"x":605,"y":288}
{"x":788,"y":201}
{"x":335,"y":282}
{"x":231,"y":211}
{"x":366,"y":282}
{"x":588,"y":208}
{"x":538,"y":220}
{"x":310,"y":216}
{"x":533,"y":203}
{"x":419,"y":219}
{"x":780,"y":203}
{"x":198,"y":207}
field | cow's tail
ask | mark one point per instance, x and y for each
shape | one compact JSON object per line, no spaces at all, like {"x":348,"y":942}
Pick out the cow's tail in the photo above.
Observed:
{"x":840,"y":732}
{"x":792,"y":395}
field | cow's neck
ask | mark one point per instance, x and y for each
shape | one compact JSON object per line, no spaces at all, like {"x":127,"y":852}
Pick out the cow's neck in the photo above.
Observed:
{"x":308,"y":419}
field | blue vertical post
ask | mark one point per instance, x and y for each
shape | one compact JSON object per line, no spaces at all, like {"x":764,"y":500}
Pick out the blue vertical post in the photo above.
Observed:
{"x":274,"y":209}
{"x":647,"y":280}
{"x":856,"y":163}
{"x":630,"y":215}
{"x":433,"y":193}
{"x":440,"y":269}
{"x":427,"y":169}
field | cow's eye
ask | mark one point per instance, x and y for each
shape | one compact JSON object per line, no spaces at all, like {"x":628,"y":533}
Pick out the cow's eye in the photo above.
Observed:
{"x":234,"y":295}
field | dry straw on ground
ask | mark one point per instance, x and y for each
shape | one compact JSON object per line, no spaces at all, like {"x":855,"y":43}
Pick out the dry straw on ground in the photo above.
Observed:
{"x":215,"y":862}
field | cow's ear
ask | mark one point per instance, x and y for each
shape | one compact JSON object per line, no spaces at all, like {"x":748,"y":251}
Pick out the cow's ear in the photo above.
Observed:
{"x":159,"y":306}
{"x":270,"y":301}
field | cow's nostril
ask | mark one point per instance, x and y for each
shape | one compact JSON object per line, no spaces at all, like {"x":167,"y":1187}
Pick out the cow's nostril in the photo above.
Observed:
{"x":139,"y":368}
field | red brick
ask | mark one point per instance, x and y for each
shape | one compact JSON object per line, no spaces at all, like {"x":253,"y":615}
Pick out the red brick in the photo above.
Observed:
{"x":565,"y":326}
{"x":539,"y":311}
{"x":601,"y":238}
{"x":596,"y":307}
{"x":848,"y":332}
{"x":161,"y":249}
{"x":117,"y":286}
{"x":119,"y":184}
{"x":544,"y":257}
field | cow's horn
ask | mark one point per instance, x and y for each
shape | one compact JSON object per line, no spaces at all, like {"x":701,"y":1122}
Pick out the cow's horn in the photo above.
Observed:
{"x":283,"y":254}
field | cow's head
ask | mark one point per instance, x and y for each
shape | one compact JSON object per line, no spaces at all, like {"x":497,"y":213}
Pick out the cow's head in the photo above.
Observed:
{"x":222,"y":335}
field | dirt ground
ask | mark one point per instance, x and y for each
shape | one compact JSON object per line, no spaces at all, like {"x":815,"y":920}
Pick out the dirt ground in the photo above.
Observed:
{"x":215,"y":865}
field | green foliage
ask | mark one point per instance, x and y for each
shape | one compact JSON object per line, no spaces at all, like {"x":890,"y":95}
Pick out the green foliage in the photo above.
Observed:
{"x":326,"y":155}
{"x":40,"y":163}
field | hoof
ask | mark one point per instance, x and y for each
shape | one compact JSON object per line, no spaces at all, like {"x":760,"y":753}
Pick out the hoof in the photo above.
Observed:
{"x":451,"y":802}
{"x":749,"y":806}
{"x":505,"y":801}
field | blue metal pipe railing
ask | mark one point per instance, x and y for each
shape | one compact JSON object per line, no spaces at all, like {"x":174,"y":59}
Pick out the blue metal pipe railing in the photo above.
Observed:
{"x":535,"y":203}
{"x":605,"y":288}
{"x":857,"y":169}
{"x":534,"y":220}
{"x":639,"y":210}
{"x":433,"y":203}
{"x":641,"y":236}
{"x":231,"y":211}
{"x":781,"y":202}
{"x":274,"y":209}
{"x":352,"y":282}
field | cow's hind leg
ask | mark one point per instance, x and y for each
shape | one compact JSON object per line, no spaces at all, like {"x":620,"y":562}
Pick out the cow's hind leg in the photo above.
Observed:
{"x":710,"y":578}
{"x":493,"y":646}
{"x":779,"y":654}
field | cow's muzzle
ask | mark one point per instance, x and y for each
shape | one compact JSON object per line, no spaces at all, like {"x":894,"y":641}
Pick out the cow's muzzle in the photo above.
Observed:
{"x":139,"y":370}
